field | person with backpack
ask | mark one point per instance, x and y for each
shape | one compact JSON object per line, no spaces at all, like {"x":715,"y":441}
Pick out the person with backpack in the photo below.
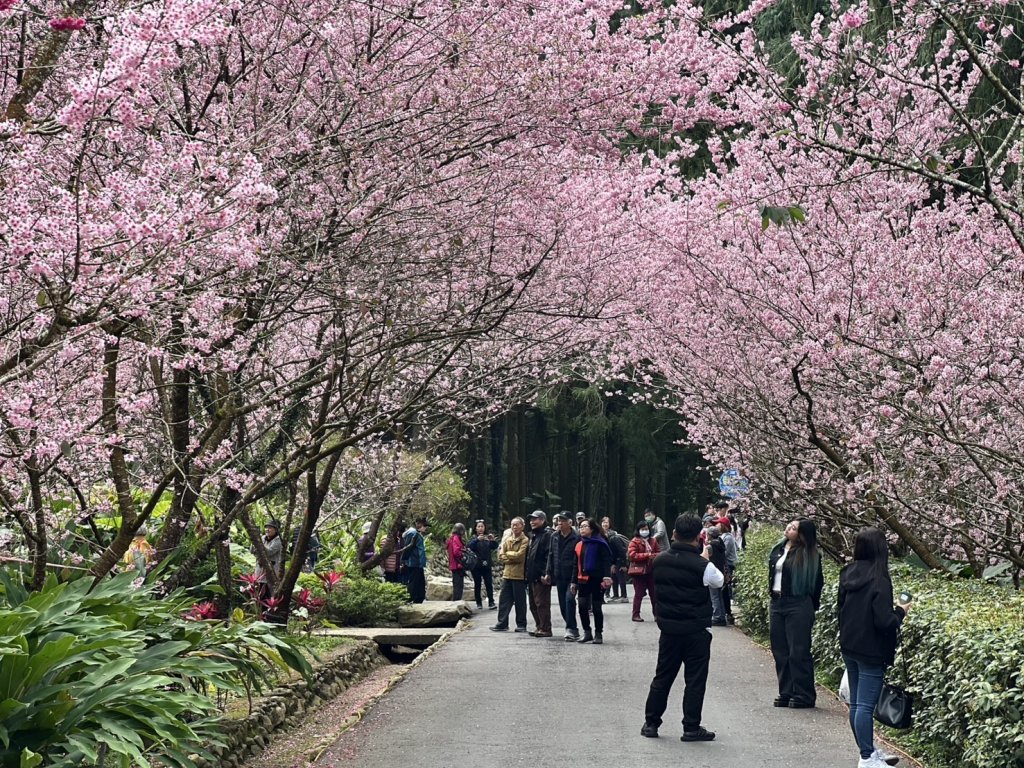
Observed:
{"x":620,"y":561}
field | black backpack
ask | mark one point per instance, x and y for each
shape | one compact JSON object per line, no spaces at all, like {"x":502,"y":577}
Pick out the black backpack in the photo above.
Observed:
{"x":469,"y":558}
{"x":620,"y":548}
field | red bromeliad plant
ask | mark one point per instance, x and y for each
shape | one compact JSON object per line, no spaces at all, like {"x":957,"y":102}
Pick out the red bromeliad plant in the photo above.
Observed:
{"x":305,"y":599}
{"x":204,"y":611}
{"x":331,"y":579}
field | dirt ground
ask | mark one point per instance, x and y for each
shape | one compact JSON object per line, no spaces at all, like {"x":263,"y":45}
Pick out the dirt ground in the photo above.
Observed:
{"x":302,"y":746}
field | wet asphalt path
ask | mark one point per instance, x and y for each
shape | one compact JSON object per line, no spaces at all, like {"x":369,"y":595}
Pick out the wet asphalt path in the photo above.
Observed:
{"x":486,"y":699}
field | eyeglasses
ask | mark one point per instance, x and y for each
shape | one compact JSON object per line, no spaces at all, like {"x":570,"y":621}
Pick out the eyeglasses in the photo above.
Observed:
{"x":479,"y":521}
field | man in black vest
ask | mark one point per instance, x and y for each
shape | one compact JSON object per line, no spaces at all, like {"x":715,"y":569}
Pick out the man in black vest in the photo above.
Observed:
{"x":682,"y":576}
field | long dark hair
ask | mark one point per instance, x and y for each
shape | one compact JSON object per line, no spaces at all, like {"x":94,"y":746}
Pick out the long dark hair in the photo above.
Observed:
{"x":871,"y":547}
{"x":805,"y":558}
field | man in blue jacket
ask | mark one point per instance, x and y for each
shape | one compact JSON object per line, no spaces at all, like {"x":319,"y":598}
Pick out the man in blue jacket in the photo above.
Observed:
{"x":682,"y":576}
{"x":414,"y":560}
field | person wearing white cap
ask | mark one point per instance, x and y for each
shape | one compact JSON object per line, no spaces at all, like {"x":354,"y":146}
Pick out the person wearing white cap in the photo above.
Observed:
{"x":365,"y":543}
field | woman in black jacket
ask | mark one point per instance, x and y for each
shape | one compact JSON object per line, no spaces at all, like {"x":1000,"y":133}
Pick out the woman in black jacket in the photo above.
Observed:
{"x":483,"y":544}
{"x":795,"y":581}
{"x":868,"y":624}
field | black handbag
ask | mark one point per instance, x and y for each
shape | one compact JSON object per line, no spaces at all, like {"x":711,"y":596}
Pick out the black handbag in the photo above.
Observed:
{"x":895,"y":707}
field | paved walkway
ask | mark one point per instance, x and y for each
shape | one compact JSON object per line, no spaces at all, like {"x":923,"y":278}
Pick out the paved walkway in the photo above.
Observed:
{"x":487,"y":699}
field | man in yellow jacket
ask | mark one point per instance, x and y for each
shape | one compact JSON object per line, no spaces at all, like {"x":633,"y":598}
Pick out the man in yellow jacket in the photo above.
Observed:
{"x":512,"y":554}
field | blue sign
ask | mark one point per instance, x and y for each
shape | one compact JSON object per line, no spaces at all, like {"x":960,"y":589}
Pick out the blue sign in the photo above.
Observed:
{"x":732,"y":484}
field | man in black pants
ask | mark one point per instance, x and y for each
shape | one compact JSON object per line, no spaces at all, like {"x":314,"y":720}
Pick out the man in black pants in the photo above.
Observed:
{"x":682,"y":576}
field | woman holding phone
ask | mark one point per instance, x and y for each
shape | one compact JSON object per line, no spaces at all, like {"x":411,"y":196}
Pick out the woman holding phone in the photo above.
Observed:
{"x":868,"y":626}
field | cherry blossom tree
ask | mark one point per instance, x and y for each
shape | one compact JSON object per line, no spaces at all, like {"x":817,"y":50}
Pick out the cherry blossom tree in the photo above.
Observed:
{"x":838,"y":298}
{"x":240,"y":238}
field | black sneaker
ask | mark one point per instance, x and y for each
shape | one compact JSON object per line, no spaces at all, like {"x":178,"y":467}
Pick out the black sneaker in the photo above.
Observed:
{"x":498,"y":628}
{"x":701,"y":734}
{"x":520,"y":629}
{"x":650,"y":731}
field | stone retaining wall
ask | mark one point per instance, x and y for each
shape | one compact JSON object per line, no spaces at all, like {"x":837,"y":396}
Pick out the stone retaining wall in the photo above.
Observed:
{"x":286,"y":706}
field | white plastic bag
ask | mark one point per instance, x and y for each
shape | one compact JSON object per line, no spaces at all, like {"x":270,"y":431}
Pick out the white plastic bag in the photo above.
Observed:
{"x":844,"y":688}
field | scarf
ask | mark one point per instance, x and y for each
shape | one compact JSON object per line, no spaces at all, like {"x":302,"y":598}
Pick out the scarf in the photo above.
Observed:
{"x":590,"y":553}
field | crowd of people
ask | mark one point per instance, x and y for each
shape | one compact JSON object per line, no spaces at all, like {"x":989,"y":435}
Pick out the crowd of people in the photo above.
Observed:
{"x":688,"y":580}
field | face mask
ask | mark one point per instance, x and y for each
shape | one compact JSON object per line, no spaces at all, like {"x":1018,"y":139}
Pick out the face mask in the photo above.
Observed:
{"x":645,"y":534}
{"x":649,"y":519}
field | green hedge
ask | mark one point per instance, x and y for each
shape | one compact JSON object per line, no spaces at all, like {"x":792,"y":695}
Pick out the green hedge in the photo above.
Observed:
{"x":365,"y":602}
{"x":964,"y":644}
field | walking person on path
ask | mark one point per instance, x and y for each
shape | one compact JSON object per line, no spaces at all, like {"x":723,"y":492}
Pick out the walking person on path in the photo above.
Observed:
{"x":682,"y":576}
{"x":593,"y":575}
{"x":561,"y":567}
{"x":795,"y":580}
{"x":512,"y":553}
{"x":484,"y":545}
{"x":868,"y":635}
{"x":455,"y":545}
{"x":641,"y":553}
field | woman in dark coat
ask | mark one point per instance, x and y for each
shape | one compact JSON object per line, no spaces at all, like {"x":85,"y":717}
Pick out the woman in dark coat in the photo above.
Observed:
{"x":592,"y":576}
{"x":868,"y":632}
{"x":795,"y":581}
{"x":483,"y":544}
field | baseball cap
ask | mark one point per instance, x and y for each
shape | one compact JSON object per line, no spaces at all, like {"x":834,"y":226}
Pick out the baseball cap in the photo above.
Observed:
{"x":538,"y":515}
{"x":724,"y":521}
{"x":581,"y":515}
{"x":562,"y":516}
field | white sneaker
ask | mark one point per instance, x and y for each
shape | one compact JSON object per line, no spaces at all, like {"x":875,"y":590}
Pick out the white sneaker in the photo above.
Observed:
{"x":885,"y":757}
{"x":872,"y":762}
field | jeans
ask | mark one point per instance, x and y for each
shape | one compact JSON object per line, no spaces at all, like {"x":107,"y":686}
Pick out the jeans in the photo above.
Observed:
{"x":567,"y":606}
{"x":717,"y":604}
{"x":865,"y":685}
{"x":693,"y":653}
{"x":790,"y":633}
{"x":591,"y":598}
